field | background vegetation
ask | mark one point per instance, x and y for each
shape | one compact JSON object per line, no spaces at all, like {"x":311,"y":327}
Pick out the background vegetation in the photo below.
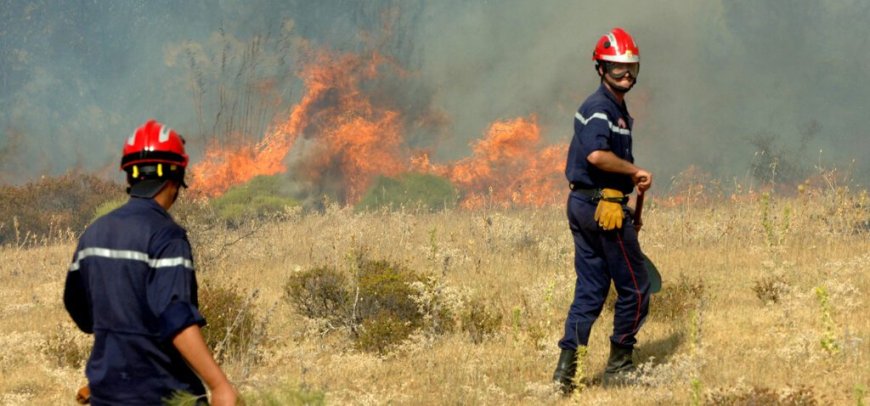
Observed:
{"x":257,"y":199}
{"x":410,"y":190}
{"x":52,"y":206}
{"x":762,"y":303}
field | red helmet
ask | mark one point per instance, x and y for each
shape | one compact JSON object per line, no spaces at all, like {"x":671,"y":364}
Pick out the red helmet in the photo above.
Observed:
{"x":153,"y":155}
{"x":616,"y":46}
{"x":154,"y":143}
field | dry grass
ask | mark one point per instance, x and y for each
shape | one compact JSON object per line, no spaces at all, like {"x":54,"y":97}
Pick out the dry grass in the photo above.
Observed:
{"x":728,"y":346}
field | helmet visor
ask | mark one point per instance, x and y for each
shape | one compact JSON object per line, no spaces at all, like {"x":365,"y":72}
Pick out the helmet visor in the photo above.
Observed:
{"x":618,"y":70}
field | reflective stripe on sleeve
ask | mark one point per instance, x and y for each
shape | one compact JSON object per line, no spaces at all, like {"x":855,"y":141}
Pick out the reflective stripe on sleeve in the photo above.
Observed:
{"x":131,"y":256}
{"x":602,"y":116}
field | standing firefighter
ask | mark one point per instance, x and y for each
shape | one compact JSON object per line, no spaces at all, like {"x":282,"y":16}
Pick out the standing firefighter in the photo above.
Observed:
{"x":601,"y":174}
{"x":132,"y":285}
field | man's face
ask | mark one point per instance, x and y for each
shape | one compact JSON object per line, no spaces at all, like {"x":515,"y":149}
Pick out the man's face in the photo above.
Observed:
{"x":620,"y":76}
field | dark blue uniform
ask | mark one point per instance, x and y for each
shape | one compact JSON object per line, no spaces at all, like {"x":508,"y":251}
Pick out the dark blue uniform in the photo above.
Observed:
{"x":601,"y":256}
{"x":132,"y":285}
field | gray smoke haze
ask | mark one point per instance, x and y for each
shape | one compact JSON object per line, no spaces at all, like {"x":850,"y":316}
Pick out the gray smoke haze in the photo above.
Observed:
{"x":719,"y":79}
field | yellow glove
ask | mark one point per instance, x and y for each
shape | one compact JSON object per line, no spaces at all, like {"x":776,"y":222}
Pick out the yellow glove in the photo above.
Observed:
{"x":609,"y":212}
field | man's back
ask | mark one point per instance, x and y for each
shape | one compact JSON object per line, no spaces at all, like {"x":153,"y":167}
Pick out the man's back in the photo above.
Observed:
{"x":132,"y":284}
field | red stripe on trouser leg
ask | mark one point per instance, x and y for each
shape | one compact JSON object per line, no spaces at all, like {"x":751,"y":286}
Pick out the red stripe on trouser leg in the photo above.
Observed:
{"x":636,"y":288}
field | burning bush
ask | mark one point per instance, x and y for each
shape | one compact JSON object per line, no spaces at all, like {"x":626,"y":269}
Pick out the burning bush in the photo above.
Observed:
{"x":52,"y":205}
{"x":410,"y":190}
{"x":260,"y":197}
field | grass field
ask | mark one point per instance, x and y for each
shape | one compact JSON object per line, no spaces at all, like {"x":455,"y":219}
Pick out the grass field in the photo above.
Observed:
{"x":764,"y":302}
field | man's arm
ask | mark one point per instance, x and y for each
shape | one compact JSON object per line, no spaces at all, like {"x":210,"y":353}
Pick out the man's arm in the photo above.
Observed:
{"x":171,"y":294}
{"x":608,"y":161}
{"x":191,"y":344}
{"x":77,"y":302}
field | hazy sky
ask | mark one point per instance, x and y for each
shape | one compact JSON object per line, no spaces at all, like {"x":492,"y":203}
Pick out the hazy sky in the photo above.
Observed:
{"x":76,"y":77}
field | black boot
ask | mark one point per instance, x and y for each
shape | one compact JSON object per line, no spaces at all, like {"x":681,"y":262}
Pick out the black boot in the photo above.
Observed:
{"x":619,"y":365}
{"x":565,"y":370}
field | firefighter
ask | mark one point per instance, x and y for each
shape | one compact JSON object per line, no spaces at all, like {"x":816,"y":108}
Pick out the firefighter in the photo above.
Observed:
{"x":132,"y":284}
{"x":601,"y":174}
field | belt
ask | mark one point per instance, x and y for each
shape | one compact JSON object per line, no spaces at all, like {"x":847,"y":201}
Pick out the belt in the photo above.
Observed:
{"x":584,"y":190}
{"x":594,"y":194}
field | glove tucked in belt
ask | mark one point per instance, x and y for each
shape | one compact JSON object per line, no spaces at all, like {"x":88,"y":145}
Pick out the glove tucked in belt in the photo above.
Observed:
{"x":609,"y":212}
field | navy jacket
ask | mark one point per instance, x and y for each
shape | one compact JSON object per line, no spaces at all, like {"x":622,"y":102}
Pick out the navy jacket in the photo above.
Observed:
{"x":132,"y":284}
{"x":600,"y":124}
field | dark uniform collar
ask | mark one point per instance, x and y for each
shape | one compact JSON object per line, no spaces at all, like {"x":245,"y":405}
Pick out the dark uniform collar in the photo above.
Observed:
{"x":141,"y":202}
{"x":621,"y":106}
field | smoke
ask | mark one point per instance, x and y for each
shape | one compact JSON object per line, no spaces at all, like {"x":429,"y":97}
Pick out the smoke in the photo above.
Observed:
{"x":716,"y":79}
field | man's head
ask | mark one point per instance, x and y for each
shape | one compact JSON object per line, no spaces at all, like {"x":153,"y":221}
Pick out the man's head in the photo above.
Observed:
{"x":153,"y":159}
{"x":617,"y":60}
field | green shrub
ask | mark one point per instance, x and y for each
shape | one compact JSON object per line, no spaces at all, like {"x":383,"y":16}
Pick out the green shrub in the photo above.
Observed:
{"x":480,"y":321}
{"x":320,"y":293}
{"x":387,"y":311}
{"x":676,"y":299}
{"x":259,"y":198}
{"x":375,"y":301}
{"x":770,"y":288}
{"x":233,"y":331}
{"x":409,"y":190}
{"x":386,"y":287}
{"x":67,"y":348}
{"x":382,"y":331}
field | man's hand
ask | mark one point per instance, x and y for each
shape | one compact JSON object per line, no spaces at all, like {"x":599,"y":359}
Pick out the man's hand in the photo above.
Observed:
{"x":225,"y":395}
{"x":192,"y":347}
{"x":642,"y":179}
{"x":609,"y":213}
{"x":83,"y":396}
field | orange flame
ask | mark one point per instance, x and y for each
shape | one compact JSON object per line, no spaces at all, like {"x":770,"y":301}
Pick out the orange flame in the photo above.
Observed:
{"x":507,"y":167}
{"x":351,"y":133}
{"x":350,"y":140}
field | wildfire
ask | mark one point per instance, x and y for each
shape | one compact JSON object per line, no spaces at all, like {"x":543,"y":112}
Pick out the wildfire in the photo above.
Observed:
{"x":349,"y":141}
{"x":508,"y":167}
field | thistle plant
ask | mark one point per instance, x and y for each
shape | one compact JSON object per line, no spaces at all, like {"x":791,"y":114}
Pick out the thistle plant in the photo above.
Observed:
{"x":775,"y":233}
{"x":829,"y":339}
{"x":766,"y":221}
{"x":696,"y":392}
{"x":695,"y":350}
{"x":581,"y":376}
{"x":860,"y":393}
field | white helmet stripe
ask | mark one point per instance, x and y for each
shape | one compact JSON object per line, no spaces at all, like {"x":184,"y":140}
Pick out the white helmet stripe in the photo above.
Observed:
{"x":164,"y":134}
{"x":613,"y":43}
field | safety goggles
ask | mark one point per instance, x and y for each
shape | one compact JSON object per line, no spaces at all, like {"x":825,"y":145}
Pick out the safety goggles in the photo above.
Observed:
{"x":618,"y":70}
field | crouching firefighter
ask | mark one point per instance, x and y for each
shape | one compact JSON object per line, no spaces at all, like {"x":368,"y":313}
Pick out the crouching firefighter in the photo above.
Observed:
{"x":601,"y":174}
{"x":132,"y":285}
